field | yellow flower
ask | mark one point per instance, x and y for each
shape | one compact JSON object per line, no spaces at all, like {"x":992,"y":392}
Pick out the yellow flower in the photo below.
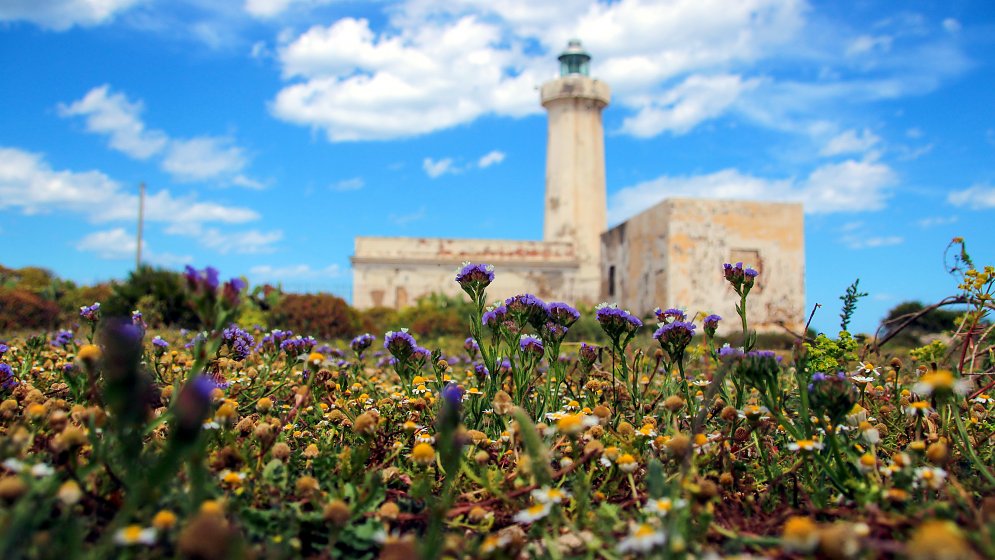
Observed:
{"x":423,"y":453}
{"x":941,"y":382}
{"x":805,"y":445}
{"x":800,"y":534}
{"x":89,"y":353}
{"x":135,"y":534}
{"x":264,"y":405}
{"x":938,"y":539}
{"x":164,"y":520}
{"x":627,"y":463}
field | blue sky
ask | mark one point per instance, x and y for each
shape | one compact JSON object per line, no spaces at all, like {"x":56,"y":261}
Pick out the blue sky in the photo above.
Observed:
{"x":271,"y":132}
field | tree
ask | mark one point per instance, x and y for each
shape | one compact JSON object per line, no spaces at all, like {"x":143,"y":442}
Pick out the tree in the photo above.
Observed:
{"x":936,"y":321}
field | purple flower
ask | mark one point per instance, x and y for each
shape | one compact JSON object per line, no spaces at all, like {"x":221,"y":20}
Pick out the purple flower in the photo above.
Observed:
{"x":400,"y":344}
{"x":3,"y":349}
{"x":7,"y":379}
{"x":90,"y":312}
{"x":480,"y":370}
{"x":616,"y":322}
{"x":527,"y":309}
{"x":730,"y":353}
{"x":473,"y":278}
{"x":232,"y":290}
{"x":494,"y":317}
{"x":740,"y":278}
{"x":562,"y":314}
{"x":504,"y":366}
{"x":298,"y":345}
{"x":470,"y":345}
{"x":669,"y":315}
{"x":206,"y":279}
{"x":159,"y":346}
{"x":531,"y":344}
{"x":272,"y":341}
{"x":238,"y":341}
{"x":453,"y":394}
{"x":711,"y":323}
{"x":674,"y":338}
{"x":361,"y":343}
{"x":62,"y":339}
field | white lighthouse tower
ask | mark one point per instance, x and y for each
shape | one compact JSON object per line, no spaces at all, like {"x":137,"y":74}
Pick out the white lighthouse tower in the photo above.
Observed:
{"x":575,"y":165}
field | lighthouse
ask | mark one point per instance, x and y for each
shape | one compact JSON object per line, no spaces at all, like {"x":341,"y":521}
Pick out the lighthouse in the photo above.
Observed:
{"x":575,"y":209}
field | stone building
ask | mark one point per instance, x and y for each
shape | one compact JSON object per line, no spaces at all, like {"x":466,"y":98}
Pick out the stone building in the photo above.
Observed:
{"x":668,"y":255}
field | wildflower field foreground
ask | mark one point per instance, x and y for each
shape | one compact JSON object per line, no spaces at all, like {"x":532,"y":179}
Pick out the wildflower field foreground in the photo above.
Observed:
{"x":242,"y":442}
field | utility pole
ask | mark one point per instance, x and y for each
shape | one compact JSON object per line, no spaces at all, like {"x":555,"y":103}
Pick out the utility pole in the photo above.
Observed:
{"x":141,"y":223}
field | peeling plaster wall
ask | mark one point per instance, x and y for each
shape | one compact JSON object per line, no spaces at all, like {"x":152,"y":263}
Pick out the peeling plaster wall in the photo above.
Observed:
{"x":671,"y":255}
{"x":396,"y":271}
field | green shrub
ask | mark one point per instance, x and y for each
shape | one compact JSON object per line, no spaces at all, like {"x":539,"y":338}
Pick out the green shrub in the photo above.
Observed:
{"x":168,"y":301}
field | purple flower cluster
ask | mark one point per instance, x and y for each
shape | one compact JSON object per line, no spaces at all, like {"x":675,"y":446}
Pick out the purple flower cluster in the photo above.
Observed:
{"x":7,"y":379}
{"x":674,"y":338}
{"x":670,"y":315}
{"x":62,"y":339}
{"x":531,"y":344}
{"x":298,"y":345}
{"x":832,"y":396}
{"x":729,"y":353}
{"x":473,"y":278}
{"x":400,"y":344}
{"x":272,"y":341}
{"x":740,"y":278}
{"x":711,"y":324}
{"x":562,"y":314}
{"x":206,"y":279}
{"x":90,"y":312}
{"x":527,"y":309}
{"x":361,"y":343}
{"x":588,"y":354}
{"x":480,"y":371}
{"x":3,"y":349}
{"x":470,"y":345}
{"x":494,"y":317}
{"x":238,"y":341}
{"x":616,"y":322}
{"x":138,"y":320}
{"x":197,"y":339}
{"x":159,"y":346}
{"x":232,"y":290}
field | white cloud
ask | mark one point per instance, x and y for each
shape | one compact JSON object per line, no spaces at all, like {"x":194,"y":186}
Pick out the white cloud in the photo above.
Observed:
{"x":201,"y":158}
{"x":934,"y":221}
{"x":951,"y":25}
{"x":848,"y":186}
{"x":249,"y":242}
{"x":114,"y":115}
{"x":28,"y":182}
{"x":858,"y":242}
{"x":405,"y":219}
{"x":293,"y":272}
{"x":493,"y":157}
{"x":268,"y":9}
{"x":118,"y":244}
{"x":696,"y":99}
{"x":353,"y":184}
{"x":438,"y":168}
{"x":869,"y":43}
{"x":110,"y":244}
{"x":976,"y":197}
{"x":60,"y":15}
{"x":850,"y":142}
{"x":439,"y":64}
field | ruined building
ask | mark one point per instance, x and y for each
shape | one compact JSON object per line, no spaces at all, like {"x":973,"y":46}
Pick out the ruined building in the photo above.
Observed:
{"x":669,"y":255}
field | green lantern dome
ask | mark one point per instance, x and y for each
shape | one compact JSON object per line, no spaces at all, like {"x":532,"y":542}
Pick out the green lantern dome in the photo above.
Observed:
{"x":574,"y":59}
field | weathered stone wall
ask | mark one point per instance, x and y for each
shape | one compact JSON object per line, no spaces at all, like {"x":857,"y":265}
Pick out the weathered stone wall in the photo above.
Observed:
{"x":396,"y":271}
{"x":671,"y":256}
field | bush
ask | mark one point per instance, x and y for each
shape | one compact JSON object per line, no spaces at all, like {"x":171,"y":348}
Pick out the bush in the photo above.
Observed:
{"x":151,"y":286}
{"x":320,"y":315}
{"x":22,"y":309}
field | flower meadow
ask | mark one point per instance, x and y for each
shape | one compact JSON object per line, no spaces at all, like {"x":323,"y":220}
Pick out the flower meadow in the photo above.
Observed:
{"x":239,"y":442}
